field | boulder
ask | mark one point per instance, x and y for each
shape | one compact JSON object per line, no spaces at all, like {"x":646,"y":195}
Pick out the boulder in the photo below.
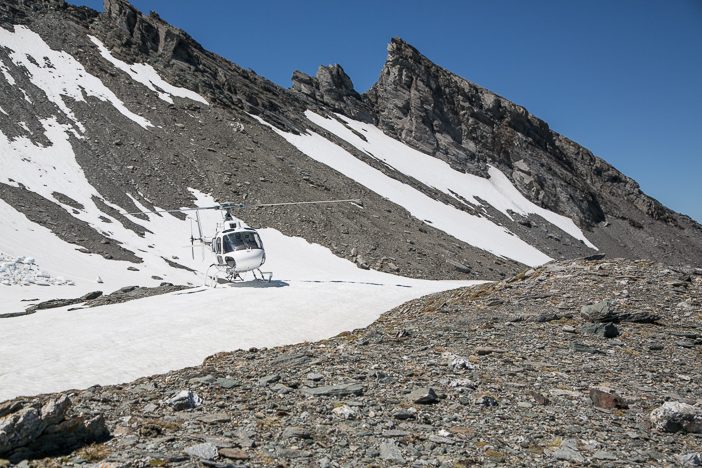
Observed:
{"x":604,"y":311}
{"x":423,"y":396}
{"x":606,"y":398}
{"x":674,"y":416}
{"x":30,"y":429}
{"x":185,"y":399}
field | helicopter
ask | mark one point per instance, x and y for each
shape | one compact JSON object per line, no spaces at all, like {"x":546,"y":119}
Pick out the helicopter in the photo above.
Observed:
{"x":237,"y":247}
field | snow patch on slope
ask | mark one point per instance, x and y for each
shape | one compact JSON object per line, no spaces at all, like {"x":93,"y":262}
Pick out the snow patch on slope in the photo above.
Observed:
{"x":148,"y":76}
{"x":21,"y":237}
{"x":58,"y":74}
{"x":498,"y":191}
{"x":474,"y":230}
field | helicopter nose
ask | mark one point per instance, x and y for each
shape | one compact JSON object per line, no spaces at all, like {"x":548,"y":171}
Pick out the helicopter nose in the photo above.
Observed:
{"x":246,"y":260}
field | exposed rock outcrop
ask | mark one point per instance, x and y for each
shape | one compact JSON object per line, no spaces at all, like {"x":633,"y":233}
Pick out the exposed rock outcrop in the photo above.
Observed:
{"x":41,"y":427}
{"x":333,"y":87}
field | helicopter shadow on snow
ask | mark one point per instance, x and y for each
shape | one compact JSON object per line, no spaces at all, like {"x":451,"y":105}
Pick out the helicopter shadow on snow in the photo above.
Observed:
{"x":365,"y":283}
{"x":244,"y":284}
{"x":254,"y":284}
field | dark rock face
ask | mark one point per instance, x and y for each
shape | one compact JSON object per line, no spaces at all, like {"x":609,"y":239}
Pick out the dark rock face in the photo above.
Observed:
{"x":333,"y":87}
{"x":134,"y":36}
{"x":189,"y":139}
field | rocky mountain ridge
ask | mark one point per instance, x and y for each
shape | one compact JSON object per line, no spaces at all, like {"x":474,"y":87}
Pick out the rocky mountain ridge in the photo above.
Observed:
{"x":414,"y":100}
{"x":440,"y":113}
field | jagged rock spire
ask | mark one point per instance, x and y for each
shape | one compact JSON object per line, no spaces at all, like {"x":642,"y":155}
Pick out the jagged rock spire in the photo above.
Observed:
{"x":333,"y":87}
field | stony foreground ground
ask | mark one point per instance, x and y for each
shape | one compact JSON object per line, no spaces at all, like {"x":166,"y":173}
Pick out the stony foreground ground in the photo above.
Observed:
{"x":513,"y":373}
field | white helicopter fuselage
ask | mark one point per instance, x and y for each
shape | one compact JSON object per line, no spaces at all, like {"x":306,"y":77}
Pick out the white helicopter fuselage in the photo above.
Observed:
{"x":238,"y":248}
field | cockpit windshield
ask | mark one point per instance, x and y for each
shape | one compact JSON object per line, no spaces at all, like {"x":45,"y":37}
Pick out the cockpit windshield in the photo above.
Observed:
{"x":241,"y":241}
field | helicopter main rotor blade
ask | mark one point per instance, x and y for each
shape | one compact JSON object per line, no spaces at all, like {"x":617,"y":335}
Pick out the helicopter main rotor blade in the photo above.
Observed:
{"x":178,"y":210}
{"x":317,"y":202}
{"x":229,"y":206}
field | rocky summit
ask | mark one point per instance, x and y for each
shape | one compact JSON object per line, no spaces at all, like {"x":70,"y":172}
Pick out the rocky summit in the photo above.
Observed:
{"x":512,"y":373}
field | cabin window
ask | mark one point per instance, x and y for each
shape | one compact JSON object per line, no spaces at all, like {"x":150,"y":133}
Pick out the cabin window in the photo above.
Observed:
{"x":241,"y":241}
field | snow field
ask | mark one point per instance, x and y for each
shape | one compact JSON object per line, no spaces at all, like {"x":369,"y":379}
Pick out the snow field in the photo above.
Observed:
{"x":313,"y":295}
{"x":58,"y":74}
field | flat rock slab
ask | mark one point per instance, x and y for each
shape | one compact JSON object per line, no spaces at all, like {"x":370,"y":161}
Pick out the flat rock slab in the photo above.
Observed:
{"x":215,"y":418}
{"x":335,"y":390}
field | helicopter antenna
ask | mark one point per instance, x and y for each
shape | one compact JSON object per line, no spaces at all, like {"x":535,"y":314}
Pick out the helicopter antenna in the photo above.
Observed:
{"x":192,"y":239}
{"x":199,"y":226}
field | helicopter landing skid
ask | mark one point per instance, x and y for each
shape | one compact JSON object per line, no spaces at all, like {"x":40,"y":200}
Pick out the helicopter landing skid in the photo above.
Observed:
{"x":264,"y":275}
{"x":220,"y":274}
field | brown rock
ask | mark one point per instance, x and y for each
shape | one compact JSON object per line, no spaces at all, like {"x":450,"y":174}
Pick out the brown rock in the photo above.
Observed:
{"x":539,"y":398}
{"x":606,"y":398}
{"x":233,"y":454}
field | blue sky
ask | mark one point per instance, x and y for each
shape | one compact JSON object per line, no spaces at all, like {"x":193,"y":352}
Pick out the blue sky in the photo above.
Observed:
{"x":623,"y":78}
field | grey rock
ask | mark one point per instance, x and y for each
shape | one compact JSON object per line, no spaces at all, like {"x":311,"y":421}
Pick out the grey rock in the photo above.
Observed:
{"x":281,"y":388}
{"x":227,"y":383}
{"x":691,"y":459}
{"x":423,"y":396}
{"x":207,"y":379}
{"x":268,"y":379}
{"x":205,"y":451}
{"x":344,"y":412}
{"x":389,"y":451}
{"x":405,"y":414}
{"x":150,"y":408}
{"x":185,"y":399}
{"x":583,"y":348}
{"x":32,"y":429}
{"x":395,"y":433}
{"x":675,"y":416}
{"x":214,"y":418}
{"x":296,"y":432}
{"x":604,"y":311}
{"x":605,"y":330}
{"x":335,"y":390}
{"x":568,"y":451}
{"x":604,"y":455}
